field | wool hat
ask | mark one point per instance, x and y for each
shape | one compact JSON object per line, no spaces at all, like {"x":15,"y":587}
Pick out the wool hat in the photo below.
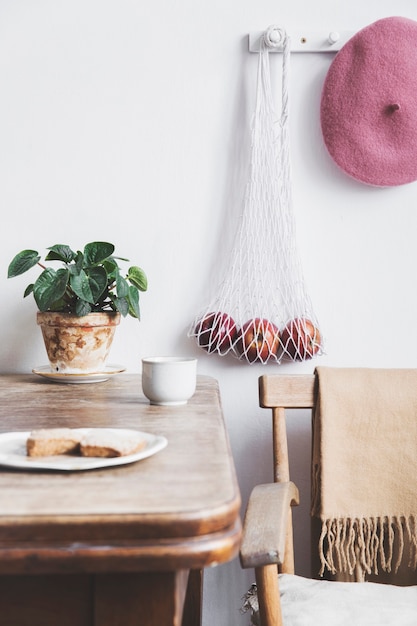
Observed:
{"x":369,"y":104}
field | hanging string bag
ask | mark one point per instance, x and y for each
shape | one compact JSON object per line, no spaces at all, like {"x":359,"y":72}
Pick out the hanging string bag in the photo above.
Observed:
{"x":261,"y":311}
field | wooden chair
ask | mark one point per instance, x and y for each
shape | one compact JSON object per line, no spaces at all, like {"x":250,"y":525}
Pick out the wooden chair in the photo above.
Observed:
{"x":268,"y":535}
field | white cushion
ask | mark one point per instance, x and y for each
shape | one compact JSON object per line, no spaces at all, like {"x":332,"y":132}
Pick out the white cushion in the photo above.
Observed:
{"x":308,"y":602}
{"x":346,"y":604}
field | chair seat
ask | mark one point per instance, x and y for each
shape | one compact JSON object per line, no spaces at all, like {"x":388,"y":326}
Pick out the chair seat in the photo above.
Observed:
{"x":307,"y":602}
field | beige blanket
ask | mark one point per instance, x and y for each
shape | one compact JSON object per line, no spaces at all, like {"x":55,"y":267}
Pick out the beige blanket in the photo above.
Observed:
{"x":365,"y":468}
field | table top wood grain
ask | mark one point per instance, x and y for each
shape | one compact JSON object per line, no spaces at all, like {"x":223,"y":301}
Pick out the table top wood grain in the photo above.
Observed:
{"x":186,"y":493}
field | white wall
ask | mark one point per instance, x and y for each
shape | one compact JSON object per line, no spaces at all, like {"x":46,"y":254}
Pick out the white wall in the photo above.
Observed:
{"x":128,"y":121}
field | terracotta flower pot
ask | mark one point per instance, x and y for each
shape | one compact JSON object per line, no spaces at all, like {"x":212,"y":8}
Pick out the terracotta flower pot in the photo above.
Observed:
{"x":78,"y":345}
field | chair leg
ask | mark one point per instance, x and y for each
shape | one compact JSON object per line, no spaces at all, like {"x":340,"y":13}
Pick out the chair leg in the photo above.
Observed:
{"x":268,"y":595}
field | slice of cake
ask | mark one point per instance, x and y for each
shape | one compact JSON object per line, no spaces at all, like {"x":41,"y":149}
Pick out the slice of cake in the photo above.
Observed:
{"x":52,"y":441}
{"x":102,"y":442}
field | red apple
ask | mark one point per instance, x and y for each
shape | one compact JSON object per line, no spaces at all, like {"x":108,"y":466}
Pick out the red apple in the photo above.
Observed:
{"x":300,"y":339}
{"x":258,"y":340}
{"x":216,"y":332}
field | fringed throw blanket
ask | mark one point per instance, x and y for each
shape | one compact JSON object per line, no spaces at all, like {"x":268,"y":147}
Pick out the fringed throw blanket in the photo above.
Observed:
{"x":365,"y":468}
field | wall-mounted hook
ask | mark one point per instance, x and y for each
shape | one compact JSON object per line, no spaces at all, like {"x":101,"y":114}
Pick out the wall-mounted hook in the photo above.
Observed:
{"x":274,"y":36}
{"x":333,"y":37}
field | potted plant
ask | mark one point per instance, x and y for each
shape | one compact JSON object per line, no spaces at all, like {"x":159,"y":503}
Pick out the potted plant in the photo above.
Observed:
{"x":81,"y":302}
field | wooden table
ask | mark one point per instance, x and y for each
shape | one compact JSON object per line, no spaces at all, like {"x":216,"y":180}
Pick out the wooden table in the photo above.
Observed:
{"x":118,"y":546}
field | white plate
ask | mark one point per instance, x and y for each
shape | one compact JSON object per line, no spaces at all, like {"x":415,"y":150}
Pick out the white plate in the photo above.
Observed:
{"x":13,"y":453}
{"x":96,"y":377}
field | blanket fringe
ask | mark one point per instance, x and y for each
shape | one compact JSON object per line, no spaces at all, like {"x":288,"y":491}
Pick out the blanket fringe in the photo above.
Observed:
{"x":364,"y":545}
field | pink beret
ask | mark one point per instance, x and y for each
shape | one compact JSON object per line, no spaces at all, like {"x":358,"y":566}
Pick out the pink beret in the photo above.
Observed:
{"x":369,"y":104}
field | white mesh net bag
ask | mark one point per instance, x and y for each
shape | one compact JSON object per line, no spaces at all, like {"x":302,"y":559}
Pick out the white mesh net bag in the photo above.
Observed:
{"x":261,"y":311}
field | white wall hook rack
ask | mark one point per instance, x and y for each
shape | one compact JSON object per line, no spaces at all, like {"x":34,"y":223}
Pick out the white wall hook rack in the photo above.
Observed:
{"x":301,"y":41}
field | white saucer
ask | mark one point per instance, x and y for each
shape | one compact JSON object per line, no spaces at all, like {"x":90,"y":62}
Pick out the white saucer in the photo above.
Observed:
{"x":95,"y":377}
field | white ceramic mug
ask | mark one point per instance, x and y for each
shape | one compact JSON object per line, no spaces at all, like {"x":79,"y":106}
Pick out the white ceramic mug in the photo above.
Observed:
{"x":169,"y":380}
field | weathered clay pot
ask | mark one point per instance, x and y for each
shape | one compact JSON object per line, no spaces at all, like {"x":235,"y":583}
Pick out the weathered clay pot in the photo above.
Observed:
{"x":78,"y":345}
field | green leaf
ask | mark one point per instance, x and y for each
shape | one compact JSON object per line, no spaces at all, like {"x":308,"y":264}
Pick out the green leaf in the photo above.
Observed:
{"x":138,"y":278}
{"x":82,"y":308}
{"x":122,"y":287}
{"x":111,"y":267}
{"x":122,"y":305}
{"x":78,"y":262}
{"x":133,"y":299}
{"x":28,"y":290}
{"x":50,"y":287}
{"x":89,"y":284}
{"x":60,"y":252}
{"x":77,"y":267}
{"x":59,"y":305}
{"x":80,"y":285}
{"x":96,"y":252}
{"x":97,"y":277}
{"x":22,"y":262}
